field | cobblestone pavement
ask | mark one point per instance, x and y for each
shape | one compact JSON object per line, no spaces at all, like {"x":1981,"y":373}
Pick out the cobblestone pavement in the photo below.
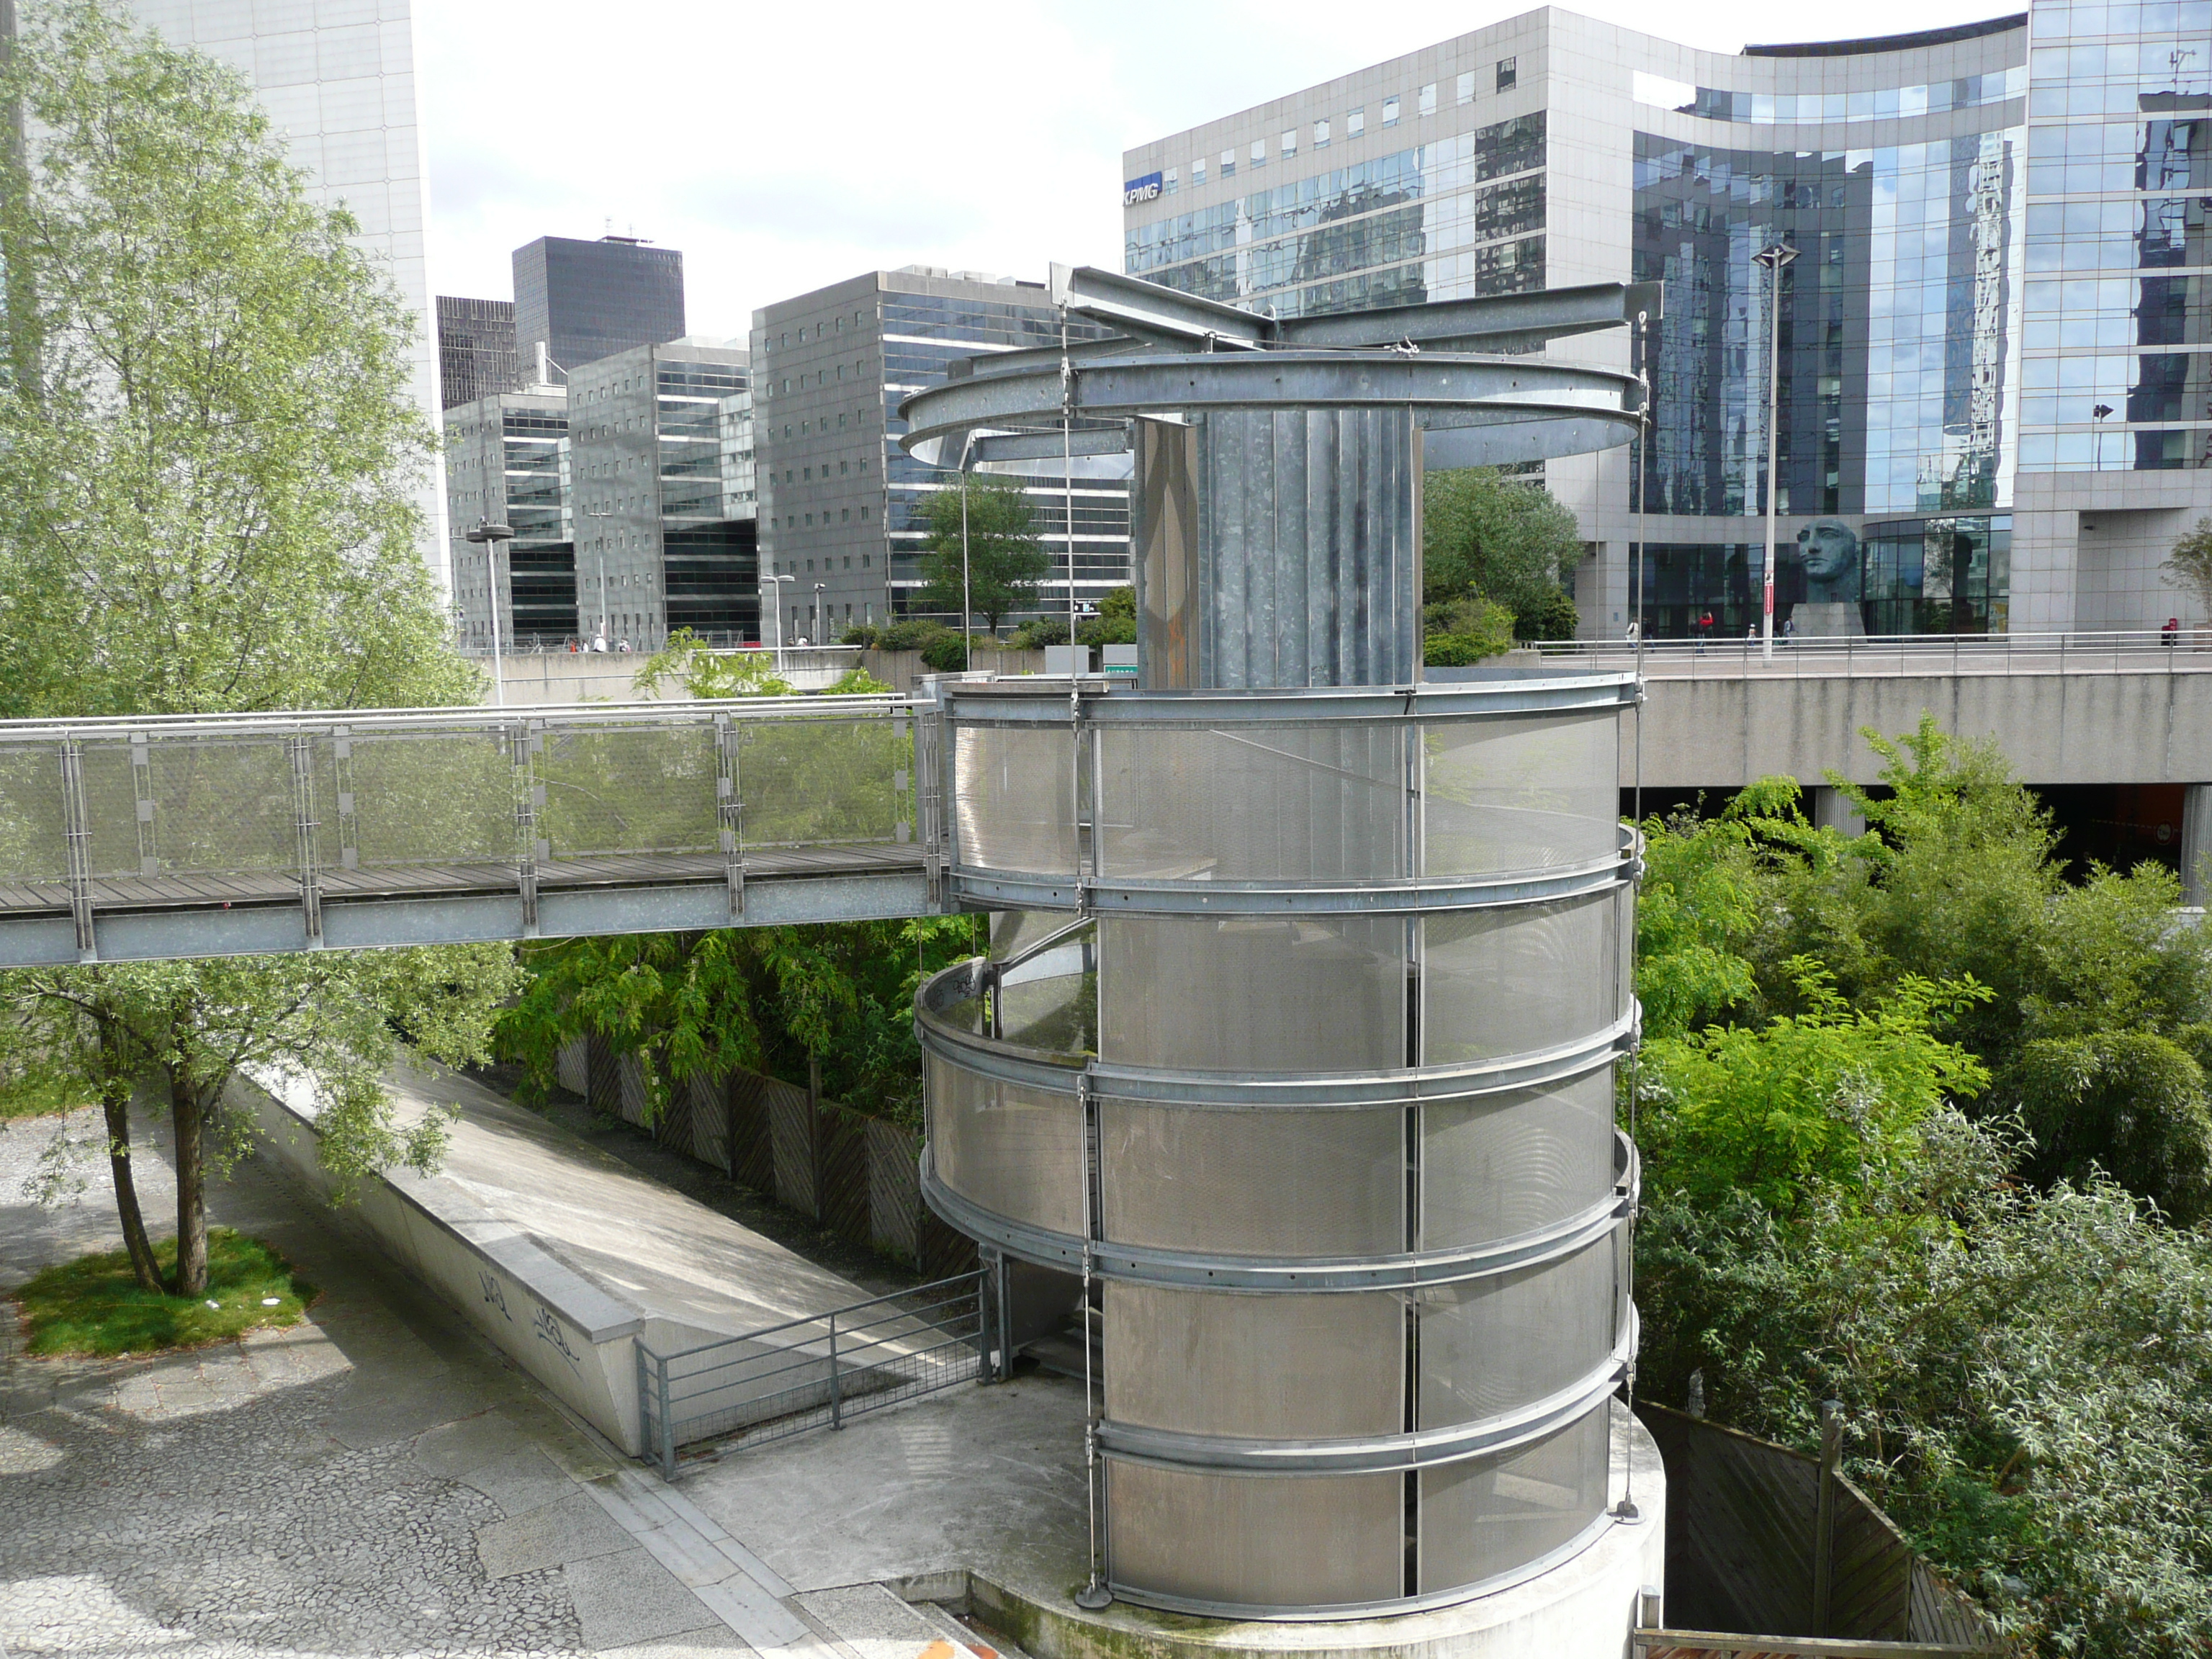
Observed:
{"x":372,"y":1481}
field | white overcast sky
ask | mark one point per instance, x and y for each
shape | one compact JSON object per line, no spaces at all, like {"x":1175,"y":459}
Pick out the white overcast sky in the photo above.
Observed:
{"x":784,"y":146}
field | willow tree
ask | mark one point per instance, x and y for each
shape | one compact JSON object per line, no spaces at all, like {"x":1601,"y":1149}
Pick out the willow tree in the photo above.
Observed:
{"x":207,"y":505}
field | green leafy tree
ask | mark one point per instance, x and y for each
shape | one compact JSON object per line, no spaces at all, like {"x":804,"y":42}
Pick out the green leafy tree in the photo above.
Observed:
{"x":1457,"y":632}
{"x":208,"y":506}
{"x":690,"y":662}
{"x":1504,"y":538}
{"x":1006,"y":563}
{"x":1115,"y":622}
{"x":212,"y":450}
{"x":2189,"y":565}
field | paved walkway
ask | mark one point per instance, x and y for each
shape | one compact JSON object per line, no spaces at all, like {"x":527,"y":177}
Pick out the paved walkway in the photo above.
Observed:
{"x":377,"y":1481}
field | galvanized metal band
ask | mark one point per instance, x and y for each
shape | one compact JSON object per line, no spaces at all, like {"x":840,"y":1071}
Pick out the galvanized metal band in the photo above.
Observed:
{"x":1344,"y":1610}
{"x":1007,"y":703}
{"x":1184,"y":1270}
{"x":1150,"y":382}
{"x":1038,"y":1069}
{"x":1001,"y":891}
{"x":1381,"y":1453}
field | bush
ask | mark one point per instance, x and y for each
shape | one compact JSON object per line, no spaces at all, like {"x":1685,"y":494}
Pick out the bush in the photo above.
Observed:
{"x":1548,"y":615}
{"x":909,"y":635}
{"x":1039,"y":632}
{"x":947,"y":652}
{"x":1458,"y":632}
{"x":860,"y":634}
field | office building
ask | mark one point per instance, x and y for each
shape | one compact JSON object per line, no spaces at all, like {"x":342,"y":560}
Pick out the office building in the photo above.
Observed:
{"x":1996,"y":412}
{"x":337,"y":80}
{"x":661,"y":480}
{"x":842,"y":505}
{"x":476,"y":348}
{"x":507,"y":462}
{"x":584,"y":300}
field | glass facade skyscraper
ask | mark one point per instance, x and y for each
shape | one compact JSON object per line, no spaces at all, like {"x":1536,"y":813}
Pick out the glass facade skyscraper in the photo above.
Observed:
{"x":506,"y":460}
{"x":1994,"y":411}
{"x":476,"y":348}
{"x":587,"y":301}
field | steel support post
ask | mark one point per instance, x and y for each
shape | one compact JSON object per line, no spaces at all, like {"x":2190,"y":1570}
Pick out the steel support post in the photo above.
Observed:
{"x":77,"y":830}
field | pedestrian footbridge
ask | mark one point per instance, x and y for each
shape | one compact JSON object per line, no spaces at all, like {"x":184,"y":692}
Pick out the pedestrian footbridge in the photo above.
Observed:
{"x":136,"y":839}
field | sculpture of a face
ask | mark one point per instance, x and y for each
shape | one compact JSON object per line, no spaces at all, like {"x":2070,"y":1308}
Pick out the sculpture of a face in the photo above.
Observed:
{"x":1829,"y":549}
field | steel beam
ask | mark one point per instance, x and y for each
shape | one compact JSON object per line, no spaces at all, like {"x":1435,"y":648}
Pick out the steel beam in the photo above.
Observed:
{"x":1166,"y":316}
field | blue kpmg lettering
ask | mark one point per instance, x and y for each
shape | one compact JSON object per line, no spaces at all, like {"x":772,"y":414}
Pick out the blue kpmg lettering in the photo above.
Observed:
{"x":1145,"y":189}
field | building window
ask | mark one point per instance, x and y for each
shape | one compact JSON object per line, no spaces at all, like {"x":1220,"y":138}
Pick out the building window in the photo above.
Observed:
{"x":1389,"y":111}
{"x":1467,"y":88}
{"x":1197,"y":171}
{"x":844,"y":514}
{"x":1429,"y":99}
{"x":1228,"y":163}
{"x":840,"y":423}
{"x":1259,"y":152}
{"x":1168,"y":184}
{"x":1290,"y":144}
{"x":864,"y":515}
{"x":1506,"y":74}
{"x":864,"y":557}
{"x":1321,"y":133}
{"x":842,"y":465}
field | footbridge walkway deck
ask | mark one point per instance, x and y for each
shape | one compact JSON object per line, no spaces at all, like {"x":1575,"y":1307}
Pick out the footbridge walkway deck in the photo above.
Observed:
{"x":139,"y":839}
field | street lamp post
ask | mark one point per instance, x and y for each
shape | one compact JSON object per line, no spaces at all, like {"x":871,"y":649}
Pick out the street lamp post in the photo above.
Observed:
{"x":490,"y":536}
{"x":603,"y":511}
{"x":775,"y":599}
{"x":1773,"y":258}
{"x":820,"y":588}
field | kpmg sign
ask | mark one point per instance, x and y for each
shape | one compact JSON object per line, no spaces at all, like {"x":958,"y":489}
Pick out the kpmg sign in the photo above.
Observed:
{"x":1145,"y":189}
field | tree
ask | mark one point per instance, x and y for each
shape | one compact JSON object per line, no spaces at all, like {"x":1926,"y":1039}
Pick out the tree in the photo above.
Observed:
{"x":688,"y":661}
{"x":208,"y":502}
{"x":1005,"y":561}
{"x":1115,"y":622}
{"x":1457,"y":632}
{"x":1502,"y":539}
{"x":2189,"y":565}
{"x":208,"y":506}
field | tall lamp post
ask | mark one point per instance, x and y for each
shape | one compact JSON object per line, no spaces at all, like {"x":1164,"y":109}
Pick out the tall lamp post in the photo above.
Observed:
{"x":775,"y":599}
{"x":602,"y":512}
{"x":820,"y":588}
{"x":490,"y":536}
{"x":1773,"y":258}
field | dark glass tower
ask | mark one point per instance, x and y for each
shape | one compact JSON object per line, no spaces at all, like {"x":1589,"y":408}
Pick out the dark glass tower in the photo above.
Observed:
{"x":588,"y":300}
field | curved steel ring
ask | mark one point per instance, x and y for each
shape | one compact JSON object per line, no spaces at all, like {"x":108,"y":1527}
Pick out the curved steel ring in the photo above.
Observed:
{"x":1381,"y":1453}
{"x":1505,"y":387}
{"x":998,"y":889}
{"x":1000,"y":703}
{"x":1059,"y":1074}
{"x":1184,"y":1270}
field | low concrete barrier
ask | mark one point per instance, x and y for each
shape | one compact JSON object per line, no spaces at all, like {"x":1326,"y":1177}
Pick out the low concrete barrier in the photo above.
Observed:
{"x":577,"y":1341}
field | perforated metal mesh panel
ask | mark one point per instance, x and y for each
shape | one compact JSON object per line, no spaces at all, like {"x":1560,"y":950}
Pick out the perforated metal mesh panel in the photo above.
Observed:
{"x":1272,"y":1367}
{"x":824,"y":781}
{"x":1519,"y":793}
{"x":630,"y":789}
{"x":31,"y":829}
{"x":110,"y":808}
{"x":1489,"y":1345}
{"x":1496,"y":1166}
{"x":1265,"y":993}
{"x":1055,"y":1011}
{"x":432,"y":797}
{"x":216,"y":806}
{"x":1254,"y":1539}
{"x":1507,"y":981}
{"x":1013,"y":798}
{"x":1257,"y":803}
{"x":1273,"y":1183}
{"x":1016,"y":1152}
{"x":1486,"y":1517}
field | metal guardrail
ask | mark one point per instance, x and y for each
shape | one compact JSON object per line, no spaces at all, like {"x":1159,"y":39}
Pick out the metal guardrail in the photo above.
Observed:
{"x":1898,"y":655}
{"x":784,"y":1380}
{"x":190,"y":836}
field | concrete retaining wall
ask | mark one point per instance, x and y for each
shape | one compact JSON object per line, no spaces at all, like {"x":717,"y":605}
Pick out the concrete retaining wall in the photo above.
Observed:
{"x":566,"y":1332}
{"x":2055,"y":728}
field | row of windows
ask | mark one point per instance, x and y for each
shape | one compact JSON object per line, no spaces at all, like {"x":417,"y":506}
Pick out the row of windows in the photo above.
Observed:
{"x":1878,"y":104}
{"x":1450,"y":164}
{"x":794,"y":520}
{"x":821,"y":330}
{"x":2057,"y":21}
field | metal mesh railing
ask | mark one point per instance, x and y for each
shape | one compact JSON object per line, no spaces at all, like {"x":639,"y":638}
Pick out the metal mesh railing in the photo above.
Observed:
{"x":2137,"y":651}
{"x":809,"y":1373}
{"x":214,"y":811}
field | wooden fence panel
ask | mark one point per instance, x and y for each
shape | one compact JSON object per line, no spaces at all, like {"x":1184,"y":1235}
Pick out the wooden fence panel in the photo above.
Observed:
{"x":1940,"y":1613}
{"x":752,"y":1148}
{"x":894,"y":1189}
{"x":945,"y":1250}
{"x":602,"y":1084}
{"x":844,"y":1191}
{"x":573,"y":1066}
{"x":673,"y":1127}
{"x":791,"y":1131}
{"x":1870,"y":1592}
{"x":630,"y":1072}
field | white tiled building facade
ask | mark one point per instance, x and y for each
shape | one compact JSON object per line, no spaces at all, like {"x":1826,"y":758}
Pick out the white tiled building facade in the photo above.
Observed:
{"x":337,"y":78}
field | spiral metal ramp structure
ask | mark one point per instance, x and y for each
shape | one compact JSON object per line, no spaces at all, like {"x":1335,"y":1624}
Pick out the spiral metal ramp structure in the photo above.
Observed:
{"x":1308,"y":980}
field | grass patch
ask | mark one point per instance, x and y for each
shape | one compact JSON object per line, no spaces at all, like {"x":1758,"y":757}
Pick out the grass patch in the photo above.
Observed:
{"x":40,"y":1097}
{"x":94,"y":1306}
